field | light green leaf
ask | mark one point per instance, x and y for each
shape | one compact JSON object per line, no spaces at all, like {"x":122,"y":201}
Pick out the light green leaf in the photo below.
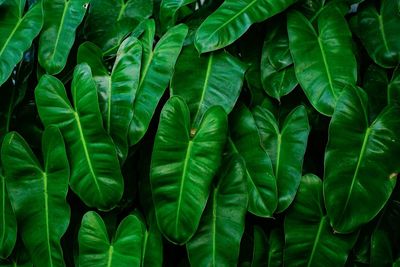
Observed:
{"x":95,"y":174}
{"x":17,"y":33}
{"x":116,"y":90}
{"x":217,"y":240}
{"x":323,"y":58}
{"x":182,"y":167}
{"x":218,"y":80}
{"x":38,"y":194}
{"x":157,"y":69}
{"x":96,"y":248}
{"x":232,"y":19}
{"x":61,"y":18}
{"x":360,"y":161}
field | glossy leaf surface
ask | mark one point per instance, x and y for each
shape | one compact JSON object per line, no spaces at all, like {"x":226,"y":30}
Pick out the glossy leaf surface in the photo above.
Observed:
{"x":38,"y":194}
{"x":323,"y":58}
{"x":8,"y":224}
{"x":217,"y":240}
{"x":95,"y":174}
{"x":182,"y":167}
{"x":169,"y":11}
{"x":360,"y":160}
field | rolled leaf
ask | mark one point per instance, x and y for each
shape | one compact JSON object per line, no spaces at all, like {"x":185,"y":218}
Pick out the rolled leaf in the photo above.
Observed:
{"x":261,"y":183}
{"x":217,"y":240}
{"x":232,"y":19}
{"x":276,"y":243}
{"x":95,"y":173}
{"x":286,"y":146}
{"x":61,"y":18}
{"x":38,"y":194}
{"x":8,"y":222}
{"x":309,"y":239}
{"x":360,"y":161}
{"x":169,"y":11}
{"x":323,"y":58}
{"x":183,"y":164}
{"x":17,"y":33}
{"x":260,"y":247}
{"x":96,"y":248}
{"x":157,"y":70}
{"x":218,"y":80}
{"x":116,"y":90}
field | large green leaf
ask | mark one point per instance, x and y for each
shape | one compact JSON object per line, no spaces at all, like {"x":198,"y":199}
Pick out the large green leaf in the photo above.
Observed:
{"x":96,"y":248}
{"x":17,"y":33}
{"x":95,"y":174}
{"x":38,"y":194}
{"x":375,"y":83}
{"x":260,"y":247}
{"x":61,"y":18}
{"x":276,"y":244}
{"x":309,"y":239}
{"x":157,"y":70}
{"x":152,"y":252}
{"x":277,"y":70}
{"x":286,"y":145}
{"x":169,"y":11}
{"x":379,"y":32}
{"x":8,"y":224}
{"x":217,"y":80}
{"x":109,"y":21}
{"x":360,"y":161}
{"x":182,"y":167}
{"x":116,"y":90}
{"x":323,"y":59}
{"x":261,"y":183}
{"x":217,"y":240}
{"x":232,"y":19}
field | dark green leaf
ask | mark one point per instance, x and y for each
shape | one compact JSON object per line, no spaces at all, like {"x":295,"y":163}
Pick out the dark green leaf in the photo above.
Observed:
{"x":8,"y":225}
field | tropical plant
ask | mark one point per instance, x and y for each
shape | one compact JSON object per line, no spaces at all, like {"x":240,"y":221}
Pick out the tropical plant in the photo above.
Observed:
{"x":199,"y":133}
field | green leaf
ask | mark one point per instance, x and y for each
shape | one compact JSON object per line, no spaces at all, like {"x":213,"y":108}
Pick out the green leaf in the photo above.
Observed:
{"x":360,"y":159}
{"x":217,"y":240}
{"x":38,"y":194}
{"x":152,"y":252}
{"x":96,"y":248}
{"x":116,"y":90}
{"x":232,"y":19}
{"x":17,"y":33}
{"x":61,"y":18}
{"x":276,"y":244}
{"x":95,"y":174}
{"x":8,"y":224}
{"x":277,"y":70}
{"x":260,"y":247}
{"x":379,"y":33}
{"x":394,"y":87}
{"x":261,"y":183}
{"x":217,"y":80}
{"x":169,"y":11}
{"x":375,"y":83}
{"x":286,"y":146}
{"x":110,"y":21}
{"x":183,"y":164}
{"x":157,"y":70}
{"x":309,"y":239}
{"x":324,"y":62}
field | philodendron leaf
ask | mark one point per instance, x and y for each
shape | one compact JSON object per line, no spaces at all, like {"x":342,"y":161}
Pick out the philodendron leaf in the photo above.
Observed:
{"x":17,"y":33}
{"x":61,"y":18}
{"x":261,"y":183}
{"x":394,"y":87}
{"x":169,"y":11}
{"x":276,"y":243}
{"x":183,"y":164}
{"x":157,"y":69}
{"x":38,"y":194}
{"x":286,"y":146}
{"x":379,"y":32}
{"x":277,"y":70}
{"x":218,"y":80}
{"x":152,"y":252}
{"x":323,"y":58}
{"x":217,"y":240}
{"x":260,"y":247}
{"x":375,"y":83}
{"x":309,"y":239}
{"x":116,"y":90}
{"x":360,"y":161}
{"x":95,"y":173}
{"x":8,"y":222}
{"x":110,"y":21}
{"x":232,"y":19}
{"x":96,"y":248}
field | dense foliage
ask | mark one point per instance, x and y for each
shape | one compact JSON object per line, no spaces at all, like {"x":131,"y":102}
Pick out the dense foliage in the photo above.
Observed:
{"x":202,"y":133}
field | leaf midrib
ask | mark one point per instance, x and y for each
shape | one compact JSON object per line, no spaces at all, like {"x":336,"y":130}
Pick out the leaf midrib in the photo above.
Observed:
{"x":46,"y":210}
{"x":316,"y":240}
{"x":10,"y":36}
{"x":326,"y":65}
{"x":205,"y":85}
